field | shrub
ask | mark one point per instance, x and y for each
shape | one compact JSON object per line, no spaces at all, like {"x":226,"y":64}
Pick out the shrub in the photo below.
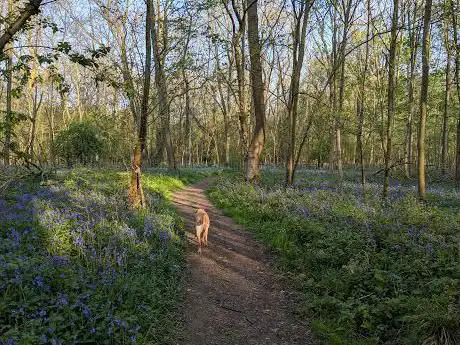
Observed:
{"x":79,"y":143}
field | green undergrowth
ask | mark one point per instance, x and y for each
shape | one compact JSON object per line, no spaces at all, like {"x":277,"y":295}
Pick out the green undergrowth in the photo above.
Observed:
{"x":78,"y":266}
{"x":370,"y":271}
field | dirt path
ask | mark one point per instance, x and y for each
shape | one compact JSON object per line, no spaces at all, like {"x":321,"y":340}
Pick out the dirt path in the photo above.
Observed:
{"x":232,"y":297}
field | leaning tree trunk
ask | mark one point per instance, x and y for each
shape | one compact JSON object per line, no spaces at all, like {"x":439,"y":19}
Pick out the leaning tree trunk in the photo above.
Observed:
{"x":424,"y":101}
{"x":258,"y":138}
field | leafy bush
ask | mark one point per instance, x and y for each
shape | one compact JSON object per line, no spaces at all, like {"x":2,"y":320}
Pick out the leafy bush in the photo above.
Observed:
{"x":371,"y":271}
{"x":79,"y":143}
{"x":77,"y":266}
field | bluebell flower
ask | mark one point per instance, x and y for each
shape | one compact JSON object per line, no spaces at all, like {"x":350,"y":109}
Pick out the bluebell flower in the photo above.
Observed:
{"x":164,"y":236}
{"x":86,"y":312}
{"x":62,"y":300}
{"x":429,"y":249}
{"x":38,"y":281}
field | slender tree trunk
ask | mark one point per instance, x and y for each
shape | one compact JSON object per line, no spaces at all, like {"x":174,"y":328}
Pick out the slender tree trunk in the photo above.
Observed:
{"x":188,"y":127}
{"x":408,"y":146}
{"x":361,"y":97}
{"x":9,"y":84}
{"x":258,"y":139}
{"x":162,"y":90}
{"x":298,"y":58}
{"x":414,"y":34}
{"x":224,"y":107}
{"x":424,"y":101}
{"x":242,"y":104}
{"x":136,"y":194}
{"x":457,"y":83}
{"x":391,"y":96}
{"x":445,"y":118}
{"x":35,"y":98}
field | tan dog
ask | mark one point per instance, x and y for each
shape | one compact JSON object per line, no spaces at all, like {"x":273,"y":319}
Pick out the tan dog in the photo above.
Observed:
{"x":201,"y":227}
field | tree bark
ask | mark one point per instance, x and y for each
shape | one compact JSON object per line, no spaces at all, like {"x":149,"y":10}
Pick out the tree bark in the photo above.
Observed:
{"x":299,"y":34}
{"x":414,"y":34}
{"x":238,"y":46}
{"x":391,"y":96}
{"x":159,"y":52}
{"x":457,"y":83}
{"x":361,"y":97}
{"x":9,"y":84}
{"x":424,"y":101}
{"x":448,"y":82}
{"x":258,"y":138}
{"x":188,"y":127}
{"x":136,"y":194}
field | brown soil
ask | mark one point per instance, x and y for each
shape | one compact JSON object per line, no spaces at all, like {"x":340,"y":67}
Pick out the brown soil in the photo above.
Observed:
{"x":232,"y":296}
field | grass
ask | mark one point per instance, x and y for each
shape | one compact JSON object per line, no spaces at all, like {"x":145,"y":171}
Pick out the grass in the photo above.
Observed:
{"x":77,"y":266}
{"x":371,"y":271}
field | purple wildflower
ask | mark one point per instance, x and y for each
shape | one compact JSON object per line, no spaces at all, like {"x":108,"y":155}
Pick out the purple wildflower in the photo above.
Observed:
{"x":86,"y":312}
{"x":62,"y":300}
{"x":38,"y":281}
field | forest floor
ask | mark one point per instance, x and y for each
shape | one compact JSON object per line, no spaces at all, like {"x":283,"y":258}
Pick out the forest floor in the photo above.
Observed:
{"x":232,"y":295}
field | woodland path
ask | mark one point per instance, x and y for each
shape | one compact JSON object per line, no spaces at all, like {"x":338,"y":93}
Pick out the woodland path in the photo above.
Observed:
{"x":232,"y":297}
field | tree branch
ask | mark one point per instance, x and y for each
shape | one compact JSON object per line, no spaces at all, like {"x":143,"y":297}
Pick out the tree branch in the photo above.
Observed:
{"x":32,"y":8}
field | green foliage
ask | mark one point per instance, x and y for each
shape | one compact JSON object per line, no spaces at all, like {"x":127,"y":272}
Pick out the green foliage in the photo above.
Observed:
{"x":371,"y":272}
{"x":79,"y":143}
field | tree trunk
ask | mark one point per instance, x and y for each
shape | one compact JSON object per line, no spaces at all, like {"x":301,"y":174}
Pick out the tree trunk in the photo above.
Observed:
{"x":299,"y":35}
{"x":424,"y":101}
{"x":136,"y":195}
{"x":188,"y":127}
{"x":9,"y":84}
{"x":414,"y":34}
{"x":361,"y":97}
{"x":448,"y":82}
{"x":162,"y":90}
{"x":258,"y":139}
{"x":457,"y":83}
{"x":35,"y":100}
{"x":391,"y":96}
